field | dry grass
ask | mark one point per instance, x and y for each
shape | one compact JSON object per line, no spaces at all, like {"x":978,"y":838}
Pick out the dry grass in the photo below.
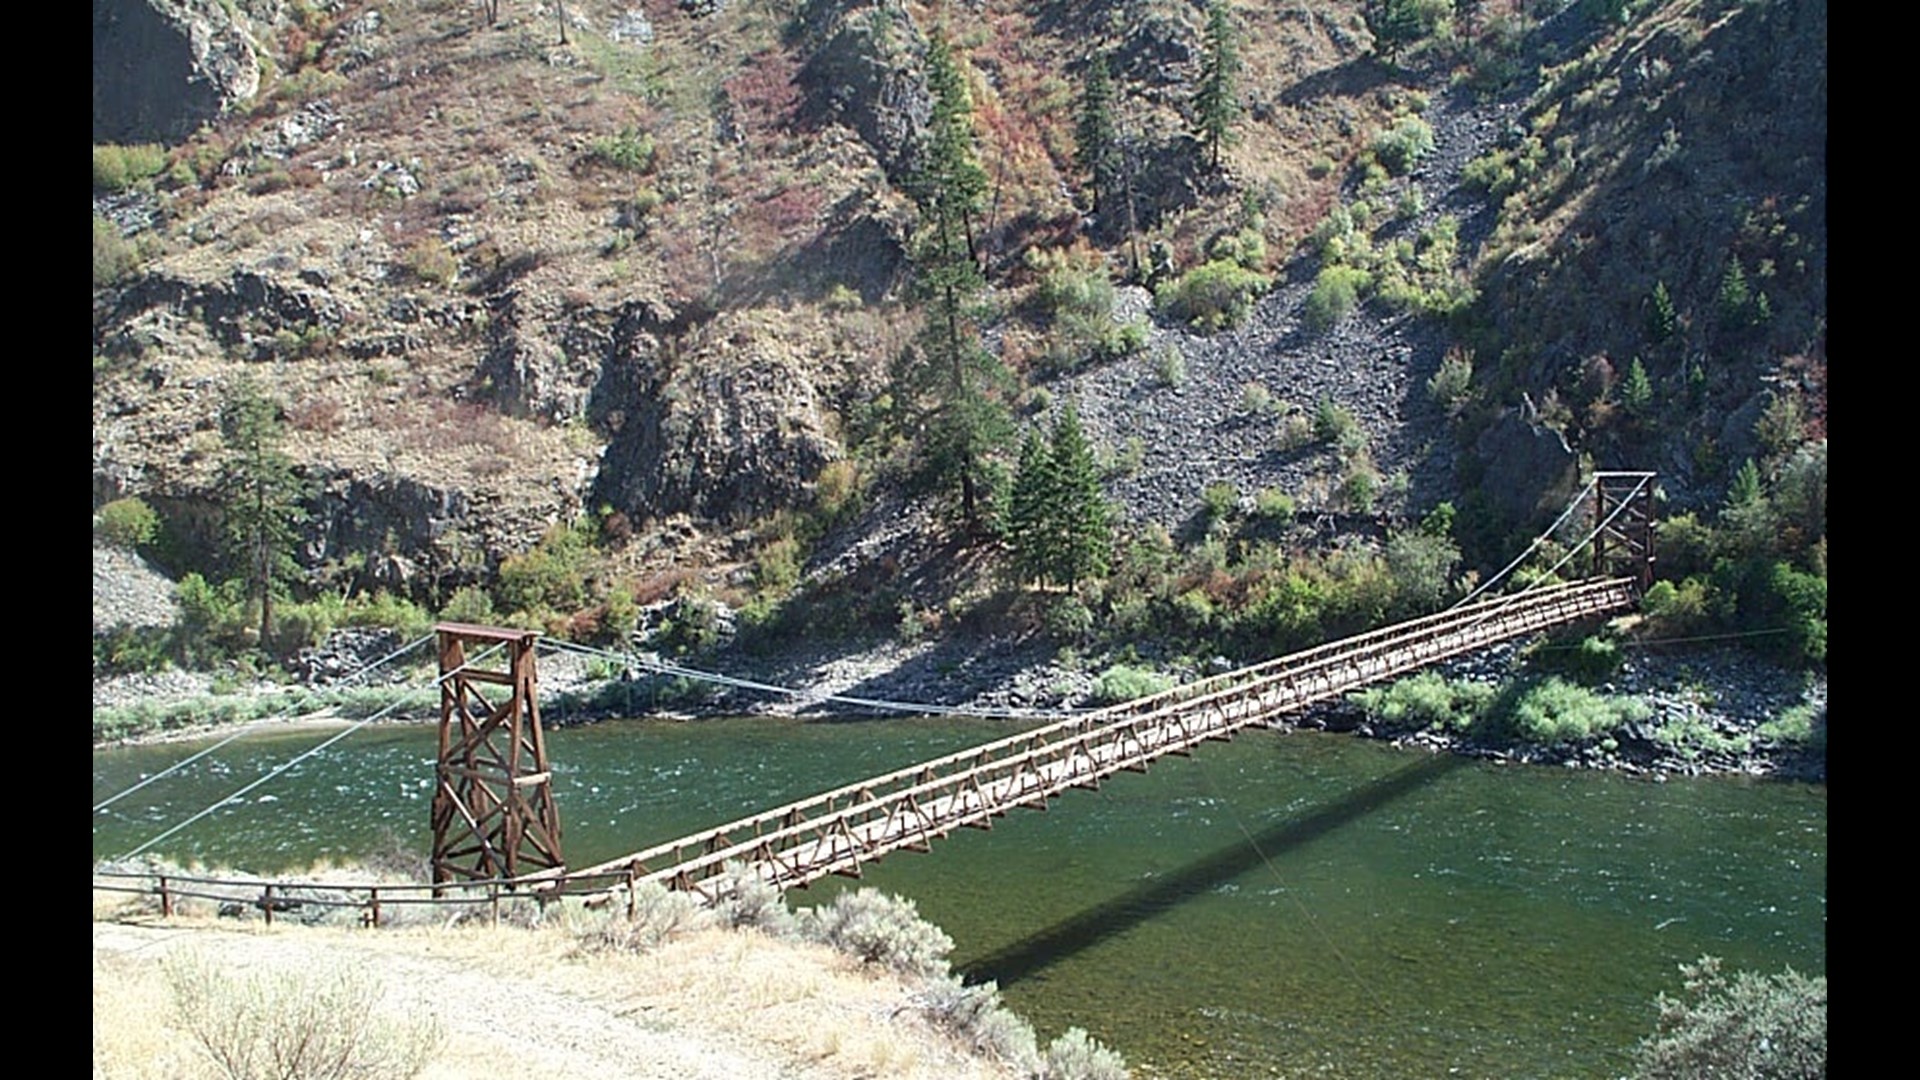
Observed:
{"x":711,"y":1003}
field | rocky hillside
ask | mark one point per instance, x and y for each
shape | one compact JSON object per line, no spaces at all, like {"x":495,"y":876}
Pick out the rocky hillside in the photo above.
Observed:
{"x":649,"y":260}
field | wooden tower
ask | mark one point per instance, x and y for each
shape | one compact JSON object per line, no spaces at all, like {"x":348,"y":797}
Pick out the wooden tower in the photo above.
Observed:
{"x":1623,"y":546}
{"x":493,"y":810}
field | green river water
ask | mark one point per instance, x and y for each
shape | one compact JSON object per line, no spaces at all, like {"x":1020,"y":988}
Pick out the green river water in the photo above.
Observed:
{"x":1281,"y":905}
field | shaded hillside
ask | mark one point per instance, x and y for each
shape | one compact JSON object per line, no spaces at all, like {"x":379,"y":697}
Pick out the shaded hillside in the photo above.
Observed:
{"x":1680,"y":149}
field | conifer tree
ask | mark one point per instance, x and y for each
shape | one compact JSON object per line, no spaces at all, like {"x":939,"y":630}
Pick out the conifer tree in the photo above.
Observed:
{"x":1097,"y":148}
{"x":1215,"y":101}
{"x":1080,"y":510}
{"x":1636,"y":391}
{"x":260,"y":494}
{"x":1029,"y":528}
{"x":953,"y":388}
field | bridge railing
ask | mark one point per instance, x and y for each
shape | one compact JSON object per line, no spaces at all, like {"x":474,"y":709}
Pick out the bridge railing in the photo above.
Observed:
{"x":375,"y":901}
{"x":837,"y":830}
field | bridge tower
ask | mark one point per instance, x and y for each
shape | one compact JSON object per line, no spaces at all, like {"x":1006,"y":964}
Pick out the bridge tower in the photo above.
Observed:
{"x":1623,"y":547}
{"x":494,"y":815}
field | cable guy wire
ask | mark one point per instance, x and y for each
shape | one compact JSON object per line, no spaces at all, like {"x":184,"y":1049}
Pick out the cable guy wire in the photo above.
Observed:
{"x":183,"y":763}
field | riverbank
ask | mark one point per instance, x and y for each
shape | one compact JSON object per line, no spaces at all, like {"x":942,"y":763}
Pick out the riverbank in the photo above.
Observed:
{"x":1700,"y":710}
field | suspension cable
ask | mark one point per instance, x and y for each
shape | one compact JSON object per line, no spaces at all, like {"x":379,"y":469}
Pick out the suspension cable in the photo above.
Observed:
{"x":441,"y":678}
{"x":288,"y":711}
{"x":1572,"y":505}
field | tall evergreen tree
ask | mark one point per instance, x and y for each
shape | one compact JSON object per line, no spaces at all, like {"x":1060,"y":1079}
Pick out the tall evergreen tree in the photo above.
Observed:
{"x":260,"y":496}
{"x":1097,"y":146}
{"x":1029,"y":524}
{"x":954,"y":388}
{"x":1216,"y":99}
{"x":1082,"y":516}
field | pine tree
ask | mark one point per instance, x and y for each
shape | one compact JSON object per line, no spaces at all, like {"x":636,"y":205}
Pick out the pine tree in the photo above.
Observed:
{"x":1636,"y":391}
{"x":1080,"y":511}
{"x":1029,"y":526}
{"x":1395,"y":23}
{"x":1734,"y":294}
{"x":953,"y":386}
{"x":1215,"y":100}
{"x":1097,"y":148}
{"x":260,"y":497}
{"x":1662,"y":319}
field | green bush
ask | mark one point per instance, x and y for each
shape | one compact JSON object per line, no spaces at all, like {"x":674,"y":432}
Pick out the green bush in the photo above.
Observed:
{"x":1219,"y":501}
{"x":1402,"y":146}
{"x":128,"y":523}
{"x":1336,"y":292}
{"x":1746,"y":1025}
{"x":1799,"y":725}
{"x":296,"y":1024}
{"x":1450,"y":384}
{"x":1273,"y":505}
{"x":113,"y":257}
{"x":881,"y":929}
{"x":1427,"y":700}
{"x":1554,"y":712}
{"x":117,"y":168}
{"x":750,"y":901}
{"x":1592,"y":660}
{"x":1170,"y":365}
{"x":1122,"y":683}
{"x":1213,"y":296}
{"x":468,"y":604}
{"x":632,"y":150}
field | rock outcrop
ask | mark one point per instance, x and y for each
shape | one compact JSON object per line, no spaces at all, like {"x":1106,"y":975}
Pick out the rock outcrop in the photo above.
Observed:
{"x":162,"y":67}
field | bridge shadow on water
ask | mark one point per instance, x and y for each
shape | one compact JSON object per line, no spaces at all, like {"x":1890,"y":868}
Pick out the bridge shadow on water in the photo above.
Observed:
{"x":1137,"y":905}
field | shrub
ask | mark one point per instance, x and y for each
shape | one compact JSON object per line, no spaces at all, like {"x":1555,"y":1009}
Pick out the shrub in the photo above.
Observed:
{"x":976,"y":1016}
{"x":128,"y":523}
{"x":881,"y":929}
{"x":1427,"y":700}
{"x":1273,"y":505}
{"x":1402,"y":146}
{"x":117,"y":168}
{"x":1256,"y":399}
{"x":656,"y":915}
{"x":1796,"y":726}
{"x":1450,"y":384}
{"x":296,"y":1024}
{"x":468,"y":604}
{"x":113,"y":257}
{"x":1336,"y":292}
{"x":748,"y":900}
{"x":1554,"y":712}
{"x":430,"y":261}
{"x":1122,"y":683}
{"x":1213,"y":296}
{"x":1746,"y":1025}
{"x":631,"y":150}
{"x":1219,"y":500}
{"x":1592,"y":660}
{"x":1170,"y":364}
{"x":1076,"y":1055}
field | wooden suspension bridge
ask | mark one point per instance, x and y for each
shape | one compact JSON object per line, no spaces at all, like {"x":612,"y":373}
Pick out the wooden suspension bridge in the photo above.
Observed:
{"x":496,"y":824}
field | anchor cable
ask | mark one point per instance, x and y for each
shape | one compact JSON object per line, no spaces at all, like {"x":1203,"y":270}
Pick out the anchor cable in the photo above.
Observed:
{"x":283,"y":714}
{"x":443,"y":677}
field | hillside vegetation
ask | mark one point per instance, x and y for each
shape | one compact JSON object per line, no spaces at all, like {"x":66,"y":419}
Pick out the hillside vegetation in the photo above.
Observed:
{"x":614,"y":320}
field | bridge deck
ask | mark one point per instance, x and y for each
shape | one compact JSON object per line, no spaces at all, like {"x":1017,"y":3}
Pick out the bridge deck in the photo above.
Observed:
{"x":838,"y":831}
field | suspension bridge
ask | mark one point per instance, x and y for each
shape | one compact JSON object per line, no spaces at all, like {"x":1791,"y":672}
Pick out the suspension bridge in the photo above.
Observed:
{"x":496,"y":824}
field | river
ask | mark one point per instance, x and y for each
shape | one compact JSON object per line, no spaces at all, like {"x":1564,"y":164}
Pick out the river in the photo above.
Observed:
{"x":1282,"y":905}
